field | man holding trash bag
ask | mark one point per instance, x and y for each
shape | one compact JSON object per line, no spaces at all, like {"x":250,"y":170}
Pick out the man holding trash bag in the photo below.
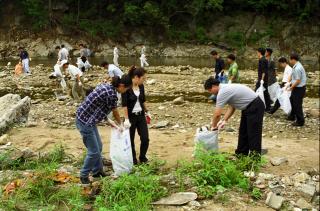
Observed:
{"x":241,"y":97}
{"x":96,"y":107}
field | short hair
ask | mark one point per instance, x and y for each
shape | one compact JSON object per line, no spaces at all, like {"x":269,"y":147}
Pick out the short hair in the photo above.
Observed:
{"x":261,"y":50}
{"x":58,"y":47}
{"x":232,"y":57}
{"x":62,"y":46}
{"x":81,"y":44}
{"x":213,"y":52}
{"x":125,"y":80}
{"x":294,"y":56}
{"x":269,"y":50}
{"x":282,"y":60}
{"x":211,"y":82}
{"x":20,"y":48}
{"x":103,"y":64}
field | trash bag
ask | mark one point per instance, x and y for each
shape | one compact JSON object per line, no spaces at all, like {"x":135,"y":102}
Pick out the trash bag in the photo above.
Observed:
{"x":206,"y":138}
{"x":63,"y":84}
{"x":273,"y":90}
{"x":18,"y":70}
{"x":120,"y":151}
{"x":259,"y":92}
{"x":284,"y":100}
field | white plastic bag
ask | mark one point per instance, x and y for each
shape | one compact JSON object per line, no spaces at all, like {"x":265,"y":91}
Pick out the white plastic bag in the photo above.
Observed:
{"x":120,"y":151}
{"x":273,"y":90}
{"x":260,"y":91}
{"x":284,"y":100}
{"x":207,"y":138}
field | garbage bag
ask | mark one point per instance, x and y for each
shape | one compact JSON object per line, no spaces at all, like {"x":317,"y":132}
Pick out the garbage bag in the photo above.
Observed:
{"x":120,"y":151}
{"x":284,"y":100}
{"x":259,"y":92}
{"x":273,"y":90}
{"x":206,"y":138}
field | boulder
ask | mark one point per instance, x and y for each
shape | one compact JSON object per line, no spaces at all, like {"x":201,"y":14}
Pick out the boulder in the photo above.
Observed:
{"x":308,"y":191}
{"x":13,"y":110}
{"x":274,"y":201}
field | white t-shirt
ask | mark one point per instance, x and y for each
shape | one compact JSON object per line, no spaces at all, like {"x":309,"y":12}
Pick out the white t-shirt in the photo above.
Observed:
{"x":115,"y":51}
{"x":74,"y":71}
{"x":57,"y":70}
{"x":137,"y":107}
{"x":114,"y":71}
{"x":63,"y":54}
{"x":287,"y":73}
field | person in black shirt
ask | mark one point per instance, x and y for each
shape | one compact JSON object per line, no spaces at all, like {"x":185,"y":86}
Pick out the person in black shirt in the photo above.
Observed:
{"x":272,"y":74}
{"x":263,"y":76}
{"x":219,"y":66}
{"x":135,"y":113}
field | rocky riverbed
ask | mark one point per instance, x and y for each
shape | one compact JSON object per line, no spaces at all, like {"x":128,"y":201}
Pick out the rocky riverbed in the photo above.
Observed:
{"x":178,"y":105}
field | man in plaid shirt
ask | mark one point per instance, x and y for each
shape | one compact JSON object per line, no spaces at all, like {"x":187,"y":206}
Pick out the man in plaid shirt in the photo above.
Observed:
{"x":98,"y":104}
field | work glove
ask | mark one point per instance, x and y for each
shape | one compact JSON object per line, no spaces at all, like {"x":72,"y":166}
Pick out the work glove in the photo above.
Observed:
{"x":221,"y":124}
{"x":261,"y":82}
{"x":126,"y":124}
{"x":148,"y":117}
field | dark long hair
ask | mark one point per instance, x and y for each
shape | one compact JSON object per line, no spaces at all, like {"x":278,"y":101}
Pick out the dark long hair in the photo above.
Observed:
{"x":125,"y":80}
{"x":134,"y":71}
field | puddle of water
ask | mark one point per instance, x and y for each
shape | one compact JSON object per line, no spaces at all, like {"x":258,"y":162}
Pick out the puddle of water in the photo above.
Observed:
{"x":243,"y":63}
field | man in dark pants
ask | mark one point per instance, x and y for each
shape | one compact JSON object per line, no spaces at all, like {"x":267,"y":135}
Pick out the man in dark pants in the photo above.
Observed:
{"x":219,"y":67}
{"x":263,"y":76}
{"x":241,"y":97}
{"x":298,"y":88}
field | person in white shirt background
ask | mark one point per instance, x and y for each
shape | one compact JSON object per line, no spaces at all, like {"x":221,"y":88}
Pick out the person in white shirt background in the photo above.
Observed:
{"x":76,"y":77}
{"x":63,"y":53}
{"x":112,"y":71}
{"x":115,"y":56}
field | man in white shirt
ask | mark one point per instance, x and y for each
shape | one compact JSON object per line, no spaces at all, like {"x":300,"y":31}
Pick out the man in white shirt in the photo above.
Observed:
{"x":76,"y":77}
{"x":286,"y":79}
{"x":115,"y":56}
{"x":63,"y":54}
{"x":112,"y":70}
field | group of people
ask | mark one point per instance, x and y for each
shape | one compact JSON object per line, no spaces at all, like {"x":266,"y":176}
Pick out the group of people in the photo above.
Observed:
{"x":252,"y":107}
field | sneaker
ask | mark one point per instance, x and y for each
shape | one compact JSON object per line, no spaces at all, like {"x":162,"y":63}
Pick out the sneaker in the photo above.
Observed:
{"x":85,"y":180}
{"x":100,"y":174}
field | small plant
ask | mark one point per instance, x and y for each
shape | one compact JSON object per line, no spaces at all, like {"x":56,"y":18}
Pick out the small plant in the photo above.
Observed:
{"x":256,"y":193}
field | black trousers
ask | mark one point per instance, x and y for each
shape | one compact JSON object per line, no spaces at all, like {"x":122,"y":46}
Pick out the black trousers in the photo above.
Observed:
{"x":250,"y":131}
{"x":266,"y":95}
{"x":139,"y":122}
{"x":296,"y":101}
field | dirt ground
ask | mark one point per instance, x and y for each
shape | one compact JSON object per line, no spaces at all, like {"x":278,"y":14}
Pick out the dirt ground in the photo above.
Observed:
{"x":51,"y":122}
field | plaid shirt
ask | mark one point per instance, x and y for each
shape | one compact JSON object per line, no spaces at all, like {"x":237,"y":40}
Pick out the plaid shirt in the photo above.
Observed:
{"x":97,"y":105}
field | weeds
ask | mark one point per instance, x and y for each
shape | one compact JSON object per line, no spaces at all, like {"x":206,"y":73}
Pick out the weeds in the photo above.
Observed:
{"x":256,"y":193}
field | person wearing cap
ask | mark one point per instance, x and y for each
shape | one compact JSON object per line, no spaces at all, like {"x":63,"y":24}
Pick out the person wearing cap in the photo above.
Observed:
{"x":263,"y":77}
{"x":219,"y":66}
{"x":233,"y":72}
{"x":112,"y":70}
{"x":240,"y":97}
{"x":76,"y":76}
{"x":298,"y":88}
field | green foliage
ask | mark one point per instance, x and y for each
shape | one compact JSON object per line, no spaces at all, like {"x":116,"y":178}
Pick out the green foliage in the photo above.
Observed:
{"x":131,"y":192}
{"x":236,"y":38}
{"x":35,"y":10}
{"x":179,"y":35}
{"x":256,"y":193}
{"x":201,"y":34}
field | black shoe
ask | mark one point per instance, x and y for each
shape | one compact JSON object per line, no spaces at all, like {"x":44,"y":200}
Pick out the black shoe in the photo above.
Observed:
{"x":85,"y":180}
{"x":296,"y":124}
{"x":100,"y":174}
{"x":291,"y":119}
{"x":144,"y":160}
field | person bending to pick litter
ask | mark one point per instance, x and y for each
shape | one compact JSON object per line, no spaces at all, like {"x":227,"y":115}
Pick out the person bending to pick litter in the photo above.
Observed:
{"x":135,"y":113}
{"x":241,"y":97}
{"x":99,"y":103}
{"x":112,"y":70}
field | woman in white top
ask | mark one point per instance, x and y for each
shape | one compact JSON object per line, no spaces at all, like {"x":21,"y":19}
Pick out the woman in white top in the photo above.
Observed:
{"x":135,"y":113}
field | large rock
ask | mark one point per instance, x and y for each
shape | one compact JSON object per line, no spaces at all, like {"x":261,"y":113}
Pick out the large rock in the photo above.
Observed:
{"x":274,"y":201}
{"x":177,"y":199}
{"x":13,"y":110}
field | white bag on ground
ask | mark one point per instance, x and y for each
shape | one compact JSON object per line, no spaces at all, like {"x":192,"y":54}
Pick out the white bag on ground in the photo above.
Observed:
{"x":207,"y":138}
{"x":284,"y":100}
{"x":259,"y":92}
{"x":120,"y":152}
{"x":273,"y":90}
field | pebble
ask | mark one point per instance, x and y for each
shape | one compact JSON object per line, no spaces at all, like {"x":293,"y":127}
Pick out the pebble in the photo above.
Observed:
{"x":249,"y":174}
{"x":194,"y":204}
{"x":178,"y":101}
{"x":266,"y":176}
{"x":274,"y":201}
{"x":4,"y":139}
{"x":161,"y":124}
{"x":277,"y":161}
{"x":303,"y":204}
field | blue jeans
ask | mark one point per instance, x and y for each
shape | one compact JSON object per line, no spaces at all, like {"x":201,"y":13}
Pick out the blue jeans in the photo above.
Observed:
{"x":92,"y":141}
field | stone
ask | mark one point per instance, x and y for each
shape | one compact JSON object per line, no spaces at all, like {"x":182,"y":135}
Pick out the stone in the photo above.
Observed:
{"x":277,"y":161}
{"x":274,"y":201}
{"x":303,"y":204}
{"x":151,"y":81}
{"x":13,"y":110}
{"x":307,"y":191}
{"x":178,"y":101}
{"x":287,"y":181}
{"x":249,"y":174}
{"x":161,"y":124}
{"x":297,"y":209}
{"x":27,"y":153}
{"x":266,"y":176}
{"x":4,"y":139}
{"x":177,"y":199}
{"x":300,"y":177}
{"x":194,"y":204}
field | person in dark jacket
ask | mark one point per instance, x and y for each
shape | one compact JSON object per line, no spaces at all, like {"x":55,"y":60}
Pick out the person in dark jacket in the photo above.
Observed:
{"x":263,"y":76}
{"x":133,"y":100}
{"x":219,"y":66}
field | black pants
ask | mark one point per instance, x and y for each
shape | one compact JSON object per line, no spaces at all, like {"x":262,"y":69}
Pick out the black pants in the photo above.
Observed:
{"x":250,"y":131}
{"x":296,"y":101}
{"x":139,"y":122}
{"x":267,"y":99}
{"x":277,"y":105}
